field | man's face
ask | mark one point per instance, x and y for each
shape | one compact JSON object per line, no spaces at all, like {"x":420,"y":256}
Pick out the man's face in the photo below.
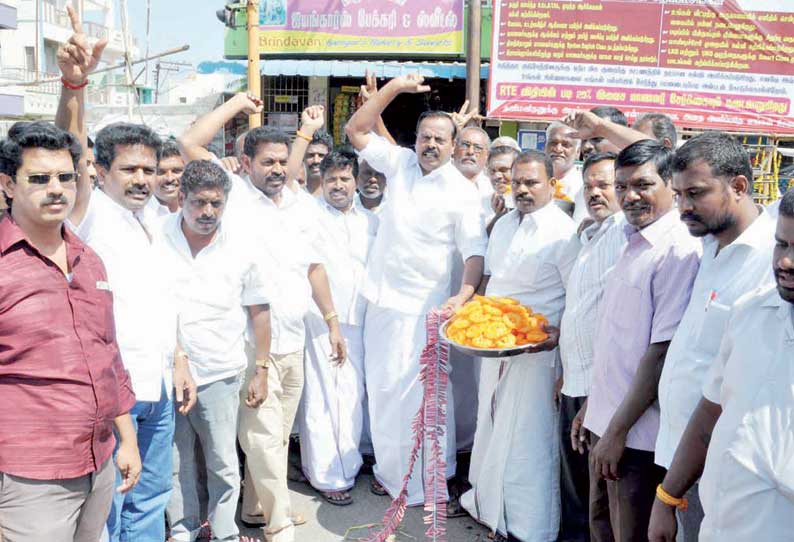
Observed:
{"x":202,"y":210}
{"x":371,"y":183}
{"x":268,"y":168}
{"x":40,"y":197}
{"x":706,"y":203}
{"x":90,"y":163}
{"x":562,"y":149}
{"x":471,"y":153}
{"x":597,"y":144}
{"x":131,"y":176}
{"x":782,"y":257}
{"x":339,"y":187}
{"x":532,"y":188}
{"x":314,"y":155}
{"x":500,"y":171}
{"x":169,"y":171}
{"x":434,"y":143}
{"x":643,"y":194}
{"x":599,"y":190}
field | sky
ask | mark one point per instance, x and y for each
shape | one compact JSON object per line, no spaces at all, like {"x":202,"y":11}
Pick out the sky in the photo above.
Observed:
{"x":179,"y":22}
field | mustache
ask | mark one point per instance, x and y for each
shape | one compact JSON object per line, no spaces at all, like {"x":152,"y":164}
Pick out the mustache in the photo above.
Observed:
{"x":138,"y":189}
{"x":596,"y":199}
{"x":275,"y":178}
{"x":430,"y":152}
{"x":691,"y":216}
{"x":54,"y":200}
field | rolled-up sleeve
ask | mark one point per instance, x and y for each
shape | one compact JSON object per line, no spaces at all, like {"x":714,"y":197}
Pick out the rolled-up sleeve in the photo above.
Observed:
{"x":255,"y":291}
{"x":126,"y":397}
{"x":470,"y":237}
{"x":671,"y":289}
{"x":385,"y":157}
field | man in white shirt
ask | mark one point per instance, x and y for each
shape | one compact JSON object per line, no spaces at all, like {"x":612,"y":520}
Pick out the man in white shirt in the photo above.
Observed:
{"x":469,"y":156}
{"x":433,"y":211}
{"x":602,"y":242}
{"x":713,"y":181}
{"x":331,"y":416}
{"x":371,"y":184}
{"x":740,"y":434}
{"x":515,"y":462}
{"x":166,"y":185}
{"x":562,"y":148}
{"x":217,"y":285}
{"x":499,"y":168}
{"x":284,"y":226}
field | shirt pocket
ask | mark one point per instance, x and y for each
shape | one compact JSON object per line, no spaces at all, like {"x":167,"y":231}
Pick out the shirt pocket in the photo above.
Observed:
{"x":95,"y":309}
{"x":712,"y":328}
{"x":622,"y":309}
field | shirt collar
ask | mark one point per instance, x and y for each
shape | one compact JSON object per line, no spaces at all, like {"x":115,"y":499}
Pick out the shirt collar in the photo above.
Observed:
{"x":11,"y":235}
{"x":657,"y":231}
{"x":174,"y":230}
{"x":543,"y":214}
{"x":336,"y":212}
{"x":123,"y":212}
{"x":758,"y":233}
{"x":288,"y":197}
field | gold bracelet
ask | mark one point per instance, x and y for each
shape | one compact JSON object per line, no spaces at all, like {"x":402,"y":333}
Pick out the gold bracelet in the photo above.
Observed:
{"x":303,"y":136}
{"x":264,"y":363}
{"x":330,"y":316}
{"x":669,"y":500}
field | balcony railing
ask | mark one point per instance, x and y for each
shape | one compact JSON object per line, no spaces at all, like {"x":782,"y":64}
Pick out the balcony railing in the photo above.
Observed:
{"x":23,"y":75}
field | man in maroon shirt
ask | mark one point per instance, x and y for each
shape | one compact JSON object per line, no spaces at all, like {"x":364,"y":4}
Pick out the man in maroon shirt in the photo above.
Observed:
{"x":63,"y":386}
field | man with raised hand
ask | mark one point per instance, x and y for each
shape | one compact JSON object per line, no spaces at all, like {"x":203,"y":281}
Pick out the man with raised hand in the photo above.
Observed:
{"x":433,"y":212}
{"x":63,"y":387}
{"x":112,"y":222}
{"x":562,"y":147}
{"x":738,"y":441}
{"x":331,"y":416}
{"x":713,"y":181}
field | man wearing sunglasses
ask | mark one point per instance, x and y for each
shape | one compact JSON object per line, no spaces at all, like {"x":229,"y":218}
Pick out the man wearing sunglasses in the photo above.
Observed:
{"x":63,"y":387}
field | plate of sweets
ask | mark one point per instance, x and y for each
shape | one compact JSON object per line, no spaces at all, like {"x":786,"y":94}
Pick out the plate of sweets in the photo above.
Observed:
{"x":494,"y":327}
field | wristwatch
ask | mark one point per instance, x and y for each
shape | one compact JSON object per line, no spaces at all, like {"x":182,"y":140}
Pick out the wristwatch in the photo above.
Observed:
{"x":264,"y":363}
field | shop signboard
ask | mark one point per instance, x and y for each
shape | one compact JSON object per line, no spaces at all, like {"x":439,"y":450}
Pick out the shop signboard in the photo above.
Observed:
{"x":342,"y":28}
{"x":709,"y":64}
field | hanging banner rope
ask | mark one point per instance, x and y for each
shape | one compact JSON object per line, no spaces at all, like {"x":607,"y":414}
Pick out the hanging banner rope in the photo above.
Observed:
{"x":429,"y":431}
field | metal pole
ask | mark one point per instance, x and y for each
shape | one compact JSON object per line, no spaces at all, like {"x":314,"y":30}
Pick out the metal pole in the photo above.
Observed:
{"x":473,"y":55}
{"x":254,"y":77}
{"x":148,"y":40}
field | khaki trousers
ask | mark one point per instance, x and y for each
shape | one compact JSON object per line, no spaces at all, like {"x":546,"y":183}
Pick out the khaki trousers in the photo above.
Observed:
{"x":73,"y":510}
{"x":264,"y":437}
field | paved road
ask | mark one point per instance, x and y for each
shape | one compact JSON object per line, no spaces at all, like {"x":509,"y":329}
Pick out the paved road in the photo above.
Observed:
{"x":329,"y":523}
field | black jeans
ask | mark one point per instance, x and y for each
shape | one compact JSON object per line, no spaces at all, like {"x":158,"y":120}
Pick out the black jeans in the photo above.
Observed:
{"x":574,"y":478}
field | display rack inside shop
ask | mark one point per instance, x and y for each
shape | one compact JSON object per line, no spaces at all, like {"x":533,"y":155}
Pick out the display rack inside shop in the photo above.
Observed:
{"x":343,"y":105}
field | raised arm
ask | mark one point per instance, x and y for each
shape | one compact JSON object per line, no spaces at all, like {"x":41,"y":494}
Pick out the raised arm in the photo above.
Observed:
{"x":364,"y":120}
{"x":368,"y":90}
{"x":76,"y":60}
{"x":312,"y":119}
{"x":193,"y":142}
{"x":589,"y":125}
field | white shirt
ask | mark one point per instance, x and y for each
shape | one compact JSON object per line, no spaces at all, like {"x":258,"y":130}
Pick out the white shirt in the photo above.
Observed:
{"x":142,"y":305}
{"x":773,"y":209}
{"x":602,"y":245}
{"x":343,"y":246}
{"x":376,"y":211}
{"x":485,"y":189}
{"x":747,"y":487}
{"x":573,"y":187}
{"x":531,"y":261}
{"x":283,"y":236}
{"x":740,"y":267}
{"x":156,"y":208}
{"x":212,"y":290}
{"x":427,"y":219}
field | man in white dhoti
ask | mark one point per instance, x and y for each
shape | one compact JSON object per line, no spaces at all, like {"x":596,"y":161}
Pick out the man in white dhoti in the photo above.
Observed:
{"x":515,"y":463}
{"x":740,"y":435}
{"x":331,"y":414}
{"x":433,"y":211}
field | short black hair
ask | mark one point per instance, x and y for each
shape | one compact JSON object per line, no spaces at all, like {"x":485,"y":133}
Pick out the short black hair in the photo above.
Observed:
{"x":644,"y":151}
{"x":202,"y":175}
{"x":435,"y":114}
{"x":262,"y":135}
{"x":340,"y":159}
{"x":597,"y":157}
{"x":170,"y":148}
{"x":321,"y":137}
{"x":661,"y":125}
{"x":724,"y":154}
{"x":787,"y":204}
{"x":612,"y":113}
{"x":34,"y":135}
{"x":124,"y":133}
{"x":500,"y":150}
{"x":526,"y":157}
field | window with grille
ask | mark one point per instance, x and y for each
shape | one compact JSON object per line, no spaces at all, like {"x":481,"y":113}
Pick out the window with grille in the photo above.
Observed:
{"x":285,"y":97}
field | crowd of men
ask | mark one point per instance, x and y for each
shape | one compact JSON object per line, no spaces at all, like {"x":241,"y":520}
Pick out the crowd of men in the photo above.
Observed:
{"x":163,"y":309}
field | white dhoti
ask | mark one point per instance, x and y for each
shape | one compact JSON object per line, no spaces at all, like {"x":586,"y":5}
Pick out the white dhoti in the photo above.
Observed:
{"x":515,"y":462}
{"x":393,"y":343}
{"x":332,"y":408}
